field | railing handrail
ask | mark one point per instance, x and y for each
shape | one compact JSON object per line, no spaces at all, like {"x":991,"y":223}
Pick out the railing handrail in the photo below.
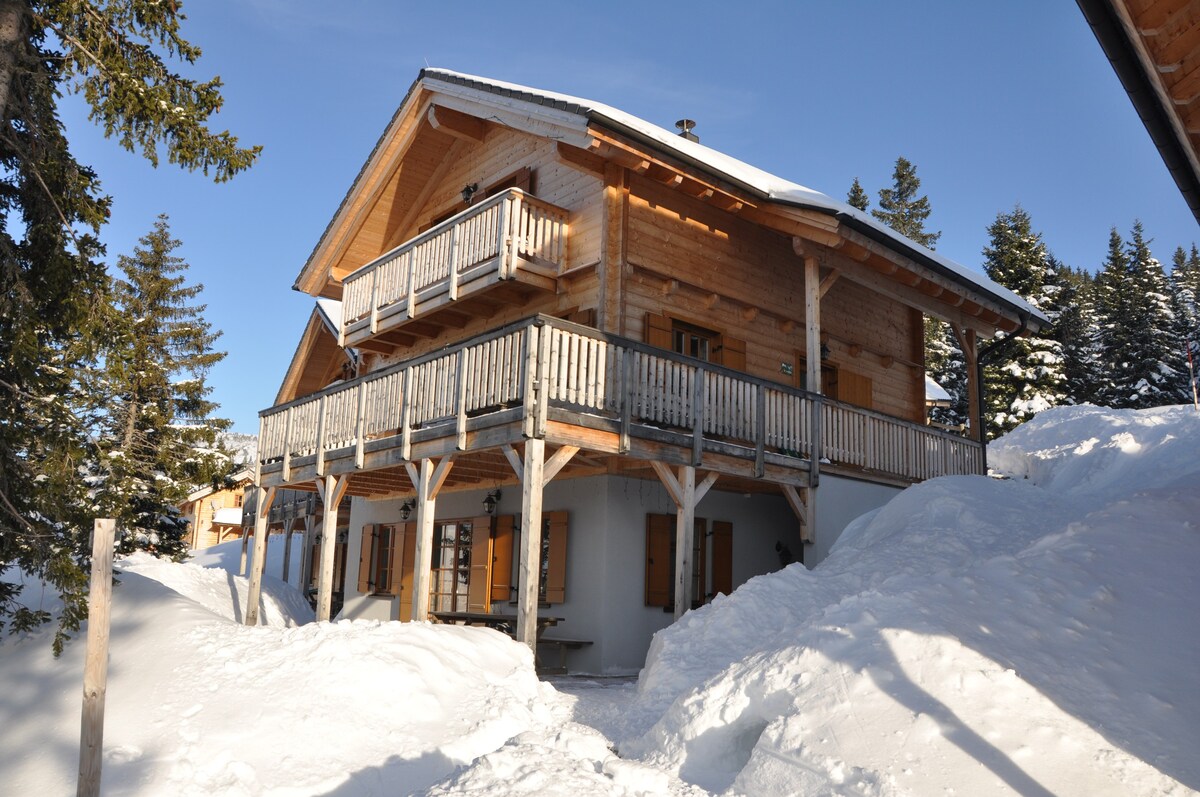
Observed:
{"x":445,"y":225}
{"x":542,"y":320}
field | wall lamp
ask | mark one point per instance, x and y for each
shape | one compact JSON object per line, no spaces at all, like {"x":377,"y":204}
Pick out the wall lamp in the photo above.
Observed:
{"x":490,"y":502}
{"x":406,"y":509}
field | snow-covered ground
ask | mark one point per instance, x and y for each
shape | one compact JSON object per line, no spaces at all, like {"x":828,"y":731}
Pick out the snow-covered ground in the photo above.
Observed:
{"x":1032,"y":636}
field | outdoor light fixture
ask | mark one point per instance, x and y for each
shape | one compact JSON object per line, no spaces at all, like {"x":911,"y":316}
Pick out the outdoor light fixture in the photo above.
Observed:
{"x":406,"y":509}
{"x":469,"y":191}
{"x":489,"y":503}
{"x":824,"y":352}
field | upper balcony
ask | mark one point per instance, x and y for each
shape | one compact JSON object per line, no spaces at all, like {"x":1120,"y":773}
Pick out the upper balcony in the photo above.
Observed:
{"x":510,"y":236}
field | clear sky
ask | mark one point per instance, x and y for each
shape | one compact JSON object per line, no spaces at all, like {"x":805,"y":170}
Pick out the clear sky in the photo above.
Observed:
{"x":995,"y":103}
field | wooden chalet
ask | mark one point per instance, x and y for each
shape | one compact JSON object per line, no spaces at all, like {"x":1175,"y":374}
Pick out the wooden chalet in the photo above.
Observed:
{"x":572,"y":368}
{"x":214,"y":515}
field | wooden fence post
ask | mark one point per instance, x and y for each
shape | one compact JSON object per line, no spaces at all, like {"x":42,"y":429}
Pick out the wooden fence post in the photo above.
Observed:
{"x":95,"y":669}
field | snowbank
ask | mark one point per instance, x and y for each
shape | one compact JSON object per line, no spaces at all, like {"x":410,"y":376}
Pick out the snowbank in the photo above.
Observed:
{"x":1033,"y":636}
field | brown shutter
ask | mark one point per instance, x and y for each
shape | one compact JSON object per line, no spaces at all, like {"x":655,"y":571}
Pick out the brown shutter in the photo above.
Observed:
{"x":365,"y":552}
{"x":556,"y":569}
{"x":658,"y":331}
{"x":479,"y":582}
{"x":854,"y":389}
{"x":407,"y":544}
{"x":722,"y":557}
{"x":502,"y":558}
{"x":699,"y":562}
{"x":398,"y":561}
{"x":659,"y":530}
{"x":732,"y":353}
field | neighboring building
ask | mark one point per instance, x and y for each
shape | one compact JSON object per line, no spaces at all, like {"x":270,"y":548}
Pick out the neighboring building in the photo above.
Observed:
{"x":566,"y":377}
{"x":215,"y":516}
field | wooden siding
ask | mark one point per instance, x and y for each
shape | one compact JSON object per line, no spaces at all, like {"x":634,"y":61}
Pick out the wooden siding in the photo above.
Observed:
{"x":708,"y":267}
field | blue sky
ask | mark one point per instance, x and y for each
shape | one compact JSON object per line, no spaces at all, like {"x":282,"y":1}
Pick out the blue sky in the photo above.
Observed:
{"x":995,"y":103}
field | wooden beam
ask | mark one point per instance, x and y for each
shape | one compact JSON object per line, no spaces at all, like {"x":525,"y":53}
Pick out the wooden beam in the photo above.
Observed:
{"x":704,"y":486}
{"x":331,"y":494}
{"x":514,"y":460}
{"x":828,"y":281}
{"x":553,"y":465}
{"x":580,"y":159}
{"x":262,"y":513}
{"x":423,"y":555}
{"x":685,"y":534}
{"x":457,"y":123}
{"x":799,"y":505}
{"x":531,"y":542}
{"x":812,"y":320}
{"x":668,"y":480}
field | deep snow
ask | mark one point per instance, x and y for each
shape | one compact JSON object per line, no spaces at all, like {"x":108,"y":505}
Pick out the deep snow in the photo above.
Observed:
{"x":975,"y":636}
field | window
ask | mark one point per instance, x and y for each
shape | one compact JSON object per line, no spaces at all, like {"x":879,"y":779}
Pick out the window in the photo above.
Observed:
{"x":660,"y":560}
{"x":451,"y":565}
{"x":684,"y":337}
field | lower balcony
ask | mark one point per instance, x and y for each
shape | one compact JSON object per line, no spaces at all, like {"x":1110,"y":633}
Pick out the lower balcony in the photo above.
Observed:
{"x":612,"y":397}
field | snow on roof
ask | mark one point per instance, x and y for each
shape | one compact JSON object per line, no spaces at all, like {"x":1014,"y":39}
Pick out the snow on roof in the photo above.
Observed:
{"x":228,"y":516}
{"x":934,"y":391}
{"x":758,"y":181}
{"x":332,"y":310}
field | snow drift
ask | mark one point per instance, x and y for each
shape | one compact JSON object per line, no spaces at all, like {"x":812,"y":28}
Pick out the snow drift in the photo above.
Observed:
{"x":1033,"y":636}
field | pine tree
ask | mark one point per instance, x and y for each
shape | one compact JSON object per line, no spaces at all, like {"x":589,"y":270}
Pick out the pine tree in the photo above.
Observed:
{"x":857,"y":198}
{"x":1112,"y":304}
{"x":1031,"y":378}
{"x":158,"y":441}
{"x":53,"y":287}
{"x":1157,"y":363}
{"x":901,"y":209}
{"x":1185,"y":337}
{"x":1068,"y":306}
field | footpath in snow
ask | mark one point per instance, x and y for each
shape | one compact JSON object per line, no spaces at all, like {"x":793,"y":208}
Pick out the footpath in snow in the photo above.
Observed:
{"x":1033,"y":635}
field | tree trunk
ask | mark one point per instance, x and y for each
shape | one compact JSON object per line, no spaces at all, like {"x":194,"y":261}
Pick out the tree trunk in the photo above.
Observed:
{"x":13,"y":15}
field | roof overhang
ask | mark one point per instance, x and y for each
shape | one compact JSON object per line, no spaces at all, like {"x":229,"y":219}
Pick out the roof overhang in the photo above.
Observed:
{"x":1155,"y":51}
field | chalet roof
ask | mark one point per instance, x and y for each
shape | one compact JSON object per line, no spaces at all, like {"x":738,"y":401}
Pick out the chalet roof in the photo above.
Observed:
{"x":570,"y":117}
{"x":243,"y":475}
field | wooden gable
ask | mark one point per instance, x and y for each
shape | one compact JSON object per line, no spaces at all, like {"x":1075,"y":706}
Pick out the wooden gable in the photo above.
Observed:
{"x":317,"y":362}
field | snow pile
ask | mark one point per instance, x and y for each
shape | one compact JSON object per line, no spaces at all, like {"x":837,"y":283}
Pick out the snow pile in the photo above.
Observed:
{"x":974,"y":636}
{"x":198,"y":704}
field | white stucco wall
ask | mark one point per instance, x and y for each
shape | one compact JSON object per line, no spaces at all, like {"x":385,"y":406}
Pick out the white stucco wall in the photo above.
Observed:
{"x":605,"y":583}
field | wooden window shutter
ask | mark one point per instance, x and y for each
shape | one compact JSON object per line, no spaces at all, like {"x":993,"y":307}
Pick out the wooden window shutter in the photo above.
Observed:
{"x":659,"y":530}
{"x":658,"y":331}
{"x":732,"y":353}
{"x":403,"y":578}
{"x":722,"y":557}
{"x":479,"y":583}
{"x":556,"y":566}
{"x":854,"y":389}
{"x":502,"y":558}
{"x":365,"y":553}
{"x":398,"y":560}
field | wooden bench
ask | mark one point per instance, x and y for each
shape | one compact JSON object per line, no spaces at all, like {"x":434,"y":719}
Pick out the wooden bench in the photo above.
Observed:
{"x":563,"y":645}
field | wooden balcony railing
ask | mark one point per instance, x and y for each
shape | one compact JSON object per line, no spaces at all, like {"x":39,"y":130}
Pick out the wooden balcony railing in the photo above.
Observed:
{"x":497,"y":239}
{"x":543,"y":366}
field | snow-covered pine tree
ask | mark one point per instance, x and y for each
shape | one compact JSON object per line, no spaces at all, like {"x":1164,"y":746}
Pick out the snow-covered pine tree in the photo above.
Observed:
{"x":902,"y":209}
{"x":1112,"y":305}
{"x":158,"y":441}
{"x":945,"y":364}
{"x":1031,"y":377}
{"x":1185,"y":286}
{"x":1068,"y":306}
{"x":857,"y":198}
{"x":1157,"y":363}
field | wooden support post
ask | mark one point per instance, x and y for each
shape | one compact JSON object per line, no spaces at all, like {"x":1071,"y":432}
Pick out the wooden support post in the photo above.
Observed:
{"x":812,"y":320}
{"x":686,"y":494}
{"x":95,"y":669}
{"x":969,"y":343}
{"x":685,"y":532}
{"x":332,"y":489}
{"x":246,"y":542}
{"x":428,"y":479}
{"x":306,"y":553}
{"x":286,"y":570}
{"x":262,"y":513}
{"x":531,"y":542}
